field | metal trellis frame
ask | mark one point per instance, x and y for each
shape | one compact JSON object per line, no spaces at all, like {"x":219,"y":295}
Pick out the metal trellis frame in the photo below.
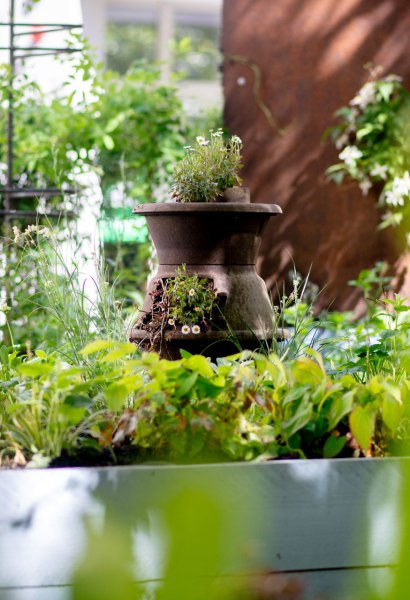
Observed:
{"x":17,"y":52}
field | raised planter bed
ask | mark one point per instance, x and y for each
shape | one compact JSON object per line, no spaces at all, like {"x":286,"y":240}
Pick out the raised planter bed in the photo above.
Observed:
{"x":328,"y":526}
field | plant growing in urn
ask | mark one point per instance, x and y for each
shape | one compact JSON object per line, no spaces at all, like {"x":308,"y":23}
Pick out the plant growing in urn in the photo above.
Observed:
{"x":208,"y":169}
{"x":215,"y":232}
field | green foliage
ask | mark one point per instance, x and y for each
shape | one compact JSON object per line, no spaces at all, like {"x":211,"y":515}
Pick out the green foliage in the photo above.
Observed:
{"x":58,"y":306}
{"x":126,"y":129}
{"x":374,"y":143}
{"x":378,"y":342}
{"x":190,"y":300}
{"x":141,"y":408}
{"x":185,"y":303}
{"x":207,"y":169}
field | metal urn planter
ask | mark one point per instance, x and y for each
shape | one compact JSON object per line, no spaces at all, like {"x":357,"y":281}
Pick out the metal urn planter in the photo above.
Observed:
{"x":218,"y":241}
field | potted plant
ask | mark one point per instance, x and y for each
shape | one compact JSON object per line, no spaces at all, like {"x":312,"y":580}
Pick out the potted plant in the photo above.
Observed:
{"x":214,"y":231}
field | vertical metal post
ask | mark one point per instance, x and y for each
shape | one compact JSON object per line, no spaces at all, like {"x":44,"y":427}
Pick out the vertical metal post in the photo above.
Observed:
{"x":10,"y":124}
{"x":165,"y":35}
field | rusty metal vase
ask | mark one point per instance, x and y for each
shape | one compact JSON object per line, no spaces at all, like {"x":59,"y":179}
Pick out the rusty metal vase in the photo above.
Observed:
{"x":217,"y":241}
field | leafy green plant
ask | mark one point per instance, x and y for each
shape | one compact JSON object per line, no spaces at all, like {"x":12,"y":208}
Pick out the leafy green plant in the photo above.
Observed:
{"x":295,"y":327}
{"x":207,"y":169}
{"x":185,"y":303}
{"x":128,"y":130}
{"x":136,"y":408}
{"x":190,"y":300}
{"x":59,"y":297}
{"x":373,"y":140}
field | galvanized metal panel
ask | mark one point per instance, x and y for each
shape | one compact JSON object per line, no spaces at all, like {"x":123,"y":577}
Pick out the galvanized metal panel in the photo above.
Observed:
{"x":288,"y":516}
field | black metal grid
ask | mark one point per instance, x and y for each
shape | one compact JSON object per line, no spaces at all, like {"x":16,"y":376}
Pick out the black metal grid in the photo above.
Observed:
{"x":16,"y":53}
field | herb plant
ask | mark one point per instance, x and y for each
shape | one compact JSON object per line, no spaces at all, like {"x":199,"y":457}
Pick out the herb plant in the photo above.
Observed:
{"x":207,"y":169}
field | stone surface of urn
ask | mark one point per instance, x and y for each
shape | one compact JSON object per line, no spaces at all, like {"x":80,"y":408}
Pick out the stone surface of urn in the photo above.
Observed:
{"x":217,"y":241}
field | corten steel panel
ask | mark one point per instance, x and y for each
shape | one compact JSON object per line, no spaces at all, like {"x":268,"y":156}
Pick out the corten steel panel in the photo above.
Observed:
{"x":293,"y":63}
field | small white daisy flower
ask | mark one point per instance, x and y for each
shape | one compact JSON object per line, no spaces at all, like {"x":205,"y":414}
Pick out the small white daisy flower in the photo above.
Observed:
{"x":191,"y":292}
{"x":185,"y":329}
{"x":171,"y":322}
{"x":196,"y":329}
{"x":236,"y":139}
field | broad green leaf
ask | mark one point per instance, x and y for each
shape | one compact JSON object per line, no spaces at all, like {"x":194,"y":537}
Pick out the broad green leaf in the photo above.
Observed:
{"x":77,"y":401}
{"x":185,"y":386}
{"x":276,"y":370}
{"x":306,"y":370}
{"x":35,"y":369}
{"x":300,"y":418}
{"x":361,"y":422}
{"x":199,"y":364}
{"x":339,"y":408}
{"x":96,"y":346}
{"x":116,"y":395}
{"x":40,"y":353}
{"x":392,"y":411}
{"x":118,"y":353}
{"x":73,"y":414}
{"x":208,"y":389}
{"x":333,"y":446}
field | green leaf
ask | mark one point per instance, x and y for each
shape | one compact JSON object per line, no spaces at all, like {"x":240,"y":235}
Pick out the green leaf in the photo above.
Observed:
{"x":200,"y":364}
{"x":391,"y":412}
{"x":333,"y":446}
{"x":186,"y":385}
{"x":4,"y":356}
{"x":96,"y":346}
{"x":40,"y":353}
{"x":116,"y":395}
{"x":73,"y":414}
{"x":366,"y":130}
{"x":361,"y":422}
{"x":119,"y":353}
{"x":300,"y":418}
{"x":35,"y":369}
{"x":108,"y":141}
{"x":339,"y":408}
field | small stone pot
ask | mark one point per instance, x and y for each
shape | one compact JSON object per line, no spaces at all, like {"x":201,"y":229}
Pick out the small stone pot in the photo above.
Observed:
{"x":218,"y":241}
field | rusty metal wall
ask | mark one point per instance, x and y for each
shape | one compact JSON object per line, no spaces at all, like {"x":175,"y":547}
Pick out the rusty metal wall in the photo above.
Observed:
{"x":288,"y":65}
